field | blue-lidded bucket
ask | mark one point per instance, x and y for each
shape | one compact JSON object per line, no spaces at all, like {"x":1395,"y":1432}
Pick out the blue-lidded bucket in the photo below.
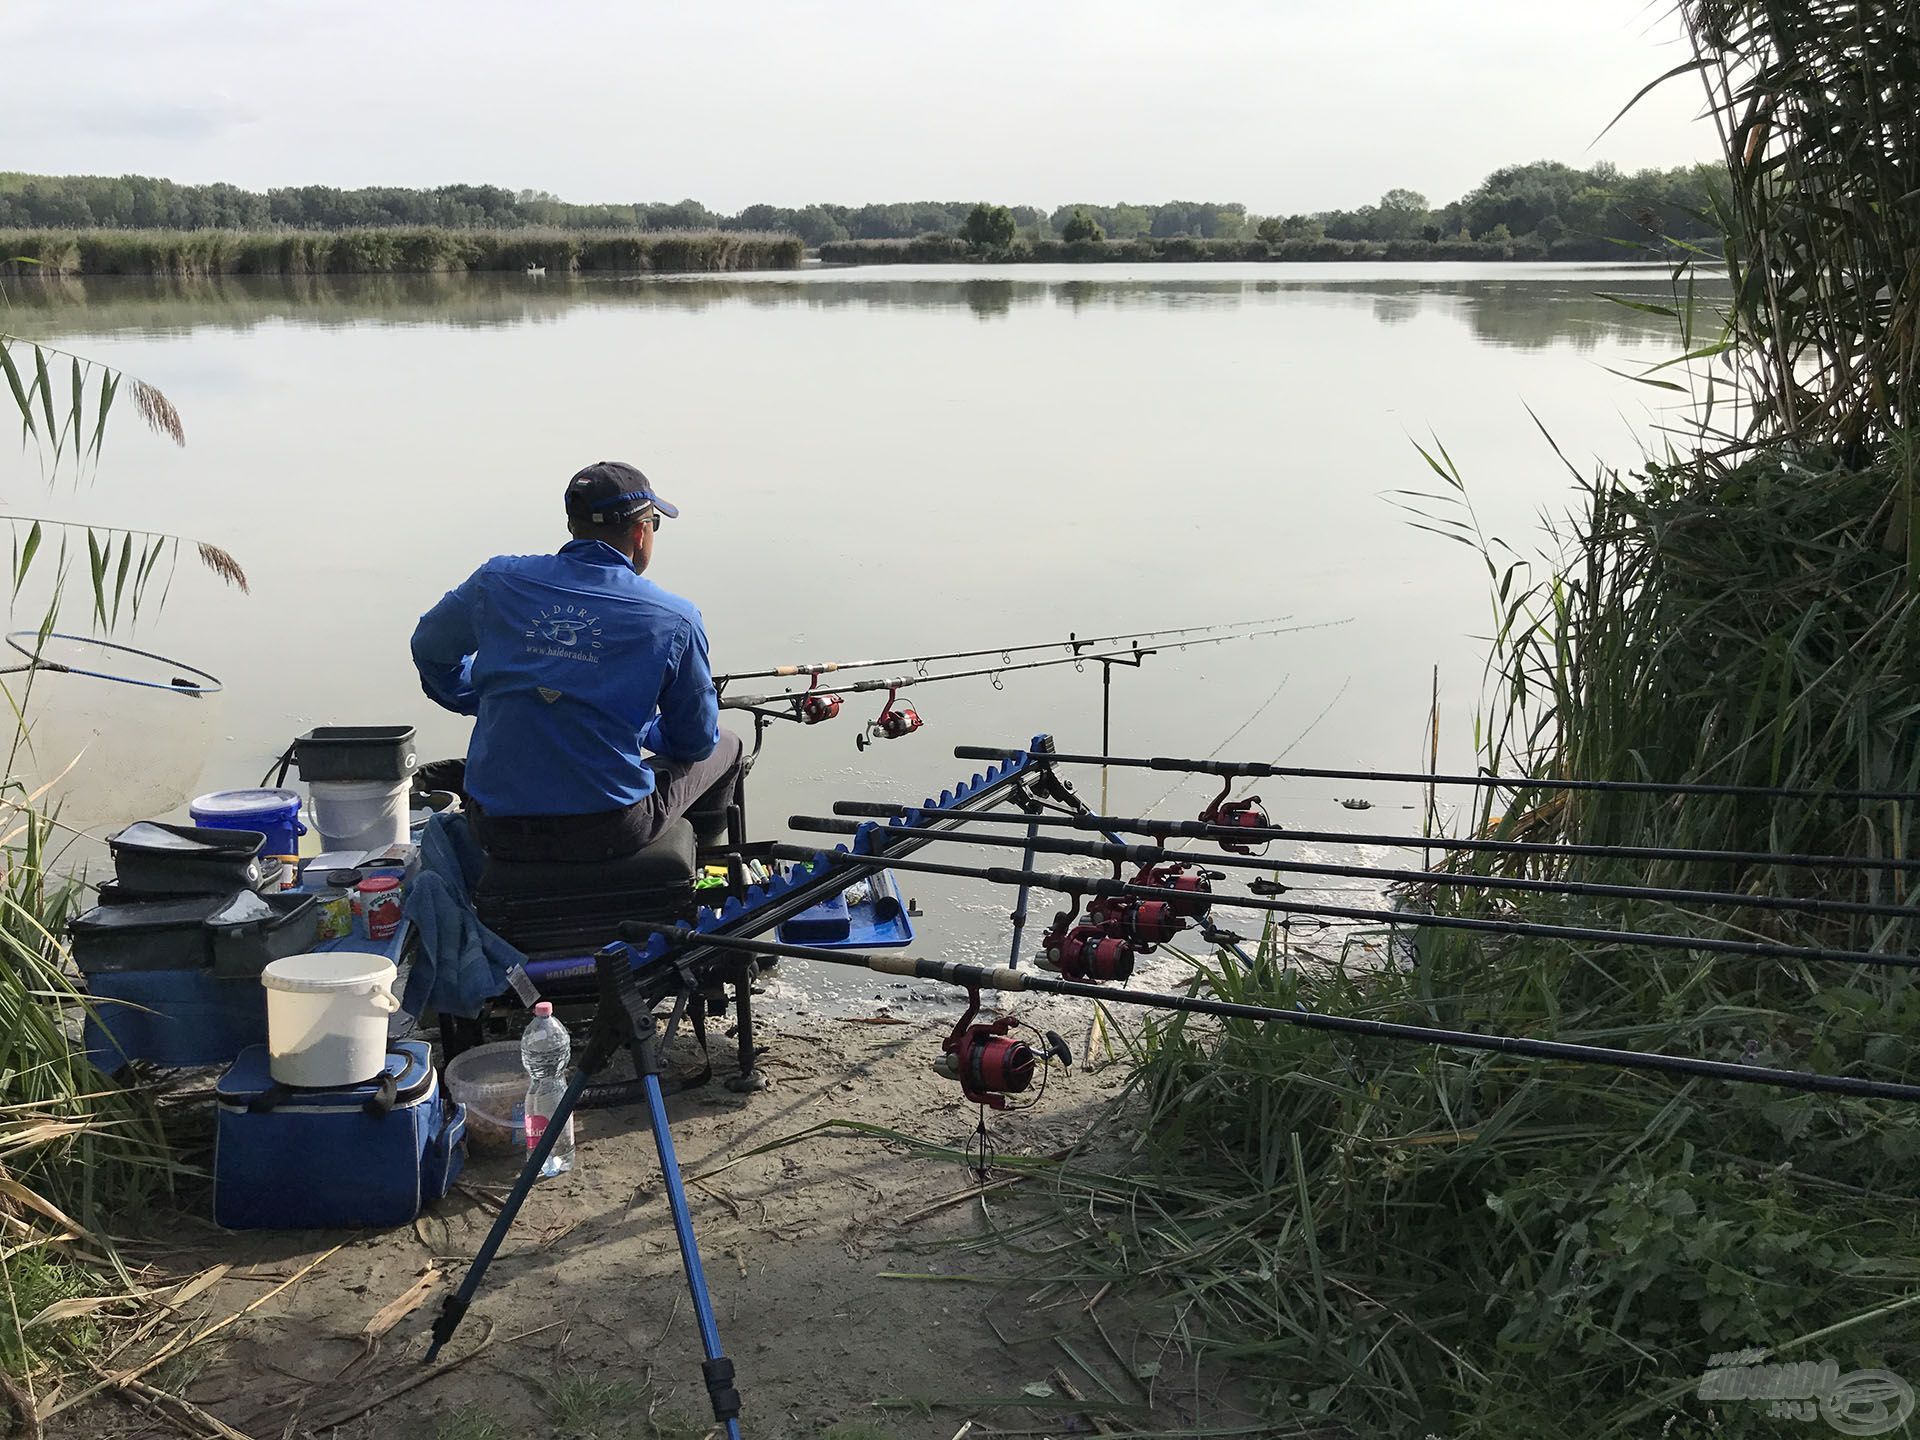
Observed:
{"x":275,"y":813}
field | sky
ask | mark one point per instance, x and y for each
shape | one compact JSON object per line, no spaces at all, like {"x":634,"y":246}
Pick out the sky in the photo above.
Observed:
{"x":1285,"y":105}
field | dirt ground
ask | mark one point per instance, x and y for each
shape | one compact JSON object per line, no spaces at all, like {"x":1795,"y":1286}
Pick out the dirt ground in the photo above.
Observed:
{"x":844,"y":1287}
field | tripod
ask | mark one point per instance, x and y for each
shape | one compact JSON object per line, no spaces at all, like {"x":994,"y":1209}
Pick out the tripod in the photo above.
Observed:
{"x":624,"y":1020}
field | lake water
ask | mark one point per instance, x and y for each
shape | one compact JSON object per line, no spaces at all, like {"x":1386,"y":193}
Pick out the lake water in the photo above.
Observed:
{"x":868,"y":462}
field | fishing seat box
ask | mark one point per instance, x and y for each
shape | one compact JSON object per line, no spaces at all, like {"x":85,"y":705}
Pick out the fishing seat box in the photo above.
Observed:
{"x":544,"y":907}
{"x":352,"y":1157}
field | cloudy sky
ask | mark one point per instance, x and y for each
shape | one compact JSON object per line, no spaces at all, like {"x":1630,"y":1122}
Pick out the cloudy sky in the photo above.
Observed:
{"x":1283,"y":104}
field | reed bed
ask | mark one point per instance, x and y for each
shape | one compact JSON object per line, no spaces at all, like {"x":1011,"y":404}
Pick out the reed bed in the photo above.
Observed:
{"x":78,"y":1153}
{"x":199,"y":253}
{"x":1409,"y":1241}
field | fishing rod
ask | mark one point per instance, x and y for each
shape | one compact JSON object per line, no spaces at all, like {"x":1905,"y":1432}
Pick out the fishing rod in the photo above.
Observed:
{"x":975,"y":978}
{"x":1198,"y":830}
{"x":1155,"y":854}
{"x":902,"y":682}
{"x":1073,"y":641}
{"x":1236,"y":769}
{"x":1085,"y":886}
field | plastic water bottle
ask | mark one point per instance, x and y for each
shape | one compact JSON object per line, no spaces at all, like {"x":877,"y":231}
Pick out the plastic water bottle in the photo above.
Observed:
{"x":544,"y":1051}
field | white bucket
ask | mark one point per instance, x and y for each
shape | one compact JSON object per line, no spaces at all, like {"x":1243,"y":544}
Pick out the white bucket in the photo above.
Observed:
{"x":327,"y":1018}
{"x":364,"y":815}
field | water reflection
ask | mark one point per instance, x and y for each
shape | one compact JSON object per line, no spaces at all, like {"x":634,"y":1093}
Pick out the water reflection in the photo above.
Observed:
{"x":1521,"y":307}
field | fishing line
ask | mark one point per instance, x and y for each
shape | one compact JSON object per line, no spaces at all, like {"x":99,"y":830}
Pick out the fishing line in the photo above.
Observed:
{"x":1264,"y":704}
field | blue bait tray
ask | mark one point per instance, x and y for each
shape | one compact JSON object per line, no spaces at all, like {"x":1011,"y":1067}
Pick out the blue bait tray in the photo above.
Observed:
{"x":877,"y":923}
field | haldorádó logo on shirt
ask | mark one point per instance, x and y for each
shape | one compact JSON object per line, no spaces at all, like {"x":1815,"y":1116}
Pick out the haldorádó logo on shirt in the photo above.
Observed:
{"x":547,"y":695}
{"x":566,"y":631}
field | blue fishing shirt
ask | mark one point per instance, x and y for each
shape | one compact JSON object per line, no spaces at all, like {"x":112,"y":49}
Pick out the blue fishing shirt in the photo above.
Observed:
{"x":571,"y":664}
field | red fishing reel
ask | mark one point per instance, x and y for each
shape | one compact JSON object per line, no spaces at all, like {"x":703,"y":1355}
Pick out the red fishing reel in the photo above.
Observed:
{"x":1194,"y":884}
{"x":1144,"y":923}
{"x":897,"y":718}
{"x":1244,"y":814}
{"x":816,"y":705}
{"x":1085,"y":952}
{"x":988,"y":1062}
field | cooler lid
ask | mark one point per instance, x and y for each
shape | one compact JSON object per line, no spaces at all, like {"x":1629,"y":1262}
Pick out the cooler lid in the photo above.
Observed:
{"x":409,"y":1062}
{"x":245,"y":802}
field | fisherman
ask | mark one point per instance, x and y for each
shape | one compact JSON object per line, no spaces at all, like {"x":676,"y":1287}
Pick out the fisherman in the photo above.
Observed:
{"x":597,"y":723}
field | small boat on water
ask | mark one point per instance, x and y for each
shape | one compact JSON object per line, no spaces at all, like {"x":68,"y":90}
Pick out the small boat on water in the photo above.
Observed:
{"x":536,"y":272}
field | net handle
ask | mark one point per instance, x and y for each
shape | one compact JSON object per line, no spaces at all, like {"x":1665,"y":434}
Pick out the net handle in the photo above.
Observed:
{"x":35,"y":661}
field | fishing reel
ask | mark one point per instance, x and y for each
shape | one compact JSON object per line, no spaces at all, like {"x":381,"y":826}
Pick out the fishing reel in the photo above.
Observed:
{"x":1143,"y":923}
{"x":988,"y":1062}
{"x":816,"y":705}
{"x":1246,"y":814}
{"x":897,"y":718}
{"x":1085,"y":952}
{"x":1194,"y":884}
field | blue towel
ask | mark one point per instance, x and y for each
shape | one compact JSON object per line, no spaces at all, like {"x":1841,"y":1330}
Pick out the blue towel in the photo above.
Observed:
{"x":459,"y":964}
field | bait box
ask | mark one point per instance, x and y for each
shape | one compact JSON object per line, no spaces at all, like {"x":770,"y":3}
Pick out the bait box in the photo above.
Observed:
{"x":880,"y":922}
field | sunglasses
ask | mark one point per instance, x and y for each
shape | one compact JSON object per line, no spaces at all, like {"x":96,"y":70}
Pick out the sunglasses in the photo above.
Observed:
{"x":652,"y":520}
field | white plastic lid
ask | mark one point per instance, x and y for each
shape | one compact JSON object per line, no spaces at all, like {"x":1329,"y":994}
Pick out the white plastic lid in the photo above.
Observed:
{"x":336,"y":970}
{"x":245,"y":802}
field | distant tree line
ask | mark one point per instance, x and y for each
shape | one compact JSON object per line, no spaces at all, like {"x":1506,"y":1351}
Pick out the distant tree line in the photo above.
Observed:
{"x":1545,"y":200}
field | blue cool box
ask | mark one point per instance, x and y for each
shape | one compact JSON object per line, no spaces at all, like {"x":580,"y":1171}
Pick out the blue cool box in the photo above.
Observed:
{"x":173,"y":1017}
{"x":352,"y":1156}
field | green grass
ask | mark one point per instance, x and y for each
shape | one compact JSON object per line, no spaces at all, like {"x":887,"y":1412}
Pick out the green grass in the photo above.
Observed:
{"x":195,"y":253}
{"x":469,"y":1422}
{"x":590,"y":1407}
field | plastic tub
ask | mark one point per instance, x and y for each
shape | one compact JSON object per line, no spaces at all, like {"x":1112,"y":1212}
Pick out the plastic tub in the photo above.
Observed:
{"x":275,"y":813}
{"x":327,"y":1018}
{"x":356,"y":752}
{"x":490,"y":1081}
{"x":366,"y":815}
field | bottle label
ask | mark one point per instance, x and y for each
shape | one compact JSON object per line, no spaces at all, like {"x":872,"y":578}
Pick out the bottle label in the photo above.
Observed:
{"x":536,"y":1127}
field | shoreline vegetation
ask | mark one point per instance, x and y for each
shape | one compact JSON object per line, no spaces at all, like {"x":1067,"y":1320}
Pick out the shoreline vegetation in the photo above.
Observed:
{"x":392,"y":250}
{"x":140,"y":225}
{"x":952,"y":250}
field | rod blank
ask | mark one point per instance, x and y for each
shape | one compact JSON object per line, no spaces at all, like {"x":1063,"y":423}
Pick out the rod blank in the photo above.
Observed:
{"x":902,"y":682}
{"x":1254,"y":768}
{"x":1153,"y":854}
{"x":1195,"y":830}
{"x":976,"y":977}
{"x":1073,"y":641}
{"x":1082,"y":885}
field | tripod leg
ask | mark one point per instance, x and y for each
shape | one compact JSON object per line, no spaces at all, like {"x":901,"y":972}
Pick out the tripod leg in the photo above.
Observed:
{"x":717,"y":1368}
{"x":454,"y":1308}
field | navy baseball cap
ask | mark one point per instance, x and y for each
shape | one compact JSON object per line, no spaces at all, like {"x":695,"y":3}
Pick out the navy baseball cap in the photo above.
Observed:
{"x":611,"y":491}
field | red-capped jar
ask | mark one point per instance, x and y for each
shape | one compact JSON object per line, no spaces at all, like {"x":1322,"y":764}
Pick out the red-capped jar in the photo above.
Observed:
{"x":377,"y":898}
